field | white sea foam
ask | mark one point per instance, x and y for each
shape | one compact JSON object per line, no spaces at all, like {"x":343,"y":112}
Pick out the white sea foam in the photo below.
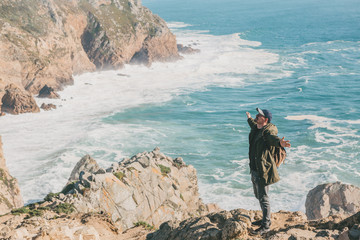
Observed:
{"x":41,"y":149}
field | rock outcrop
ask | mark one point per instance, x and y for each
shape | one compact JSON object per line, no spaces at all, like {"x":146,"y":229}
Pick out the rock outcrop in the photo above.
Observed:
{"x":331,"y":199}
{"x":48,"y":92}
{"x":48,"y":107}
{"x":10,"y":196}
{"x":46,"y":42}
{"x":186,"y":49}
{"x":236,"y":224}
{"x":59,"y":226}
{"x":148,"y":187}
{"x":16,"y":101}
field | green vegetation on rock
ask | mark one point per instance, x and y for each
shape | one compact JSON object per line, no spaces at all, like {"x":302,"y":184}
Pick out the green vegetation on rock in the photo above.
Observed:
{"x":119,"y":175}
{"x":164,"y":170}
{"x":31,"y":210}
{"x":66,"y":208}
{"x":145,"y":225}
{"x":50,"y":196}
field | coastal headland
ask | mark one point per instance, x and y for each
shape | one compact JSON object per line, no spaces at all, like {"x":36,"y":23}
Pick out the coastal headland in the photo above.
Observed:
{"x":44,"y":43}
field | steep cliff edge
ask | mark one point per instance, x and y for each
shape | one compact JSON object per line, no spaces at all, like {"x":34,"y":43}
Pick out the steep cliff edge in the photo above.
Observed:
{"x":10,"y":196}
{"x":48,"y":41}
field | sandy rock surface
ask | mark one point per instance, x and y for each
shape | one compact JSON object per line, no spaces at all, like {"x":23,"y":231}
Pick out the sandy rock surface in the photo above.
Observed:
{"x":10,"y":196}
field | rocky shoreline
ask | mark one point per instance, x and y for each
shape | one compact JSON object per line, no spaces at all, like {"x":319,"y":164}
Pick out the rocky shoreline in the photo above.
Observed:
{"x":44,"y":43}
{"x":153,"y":196}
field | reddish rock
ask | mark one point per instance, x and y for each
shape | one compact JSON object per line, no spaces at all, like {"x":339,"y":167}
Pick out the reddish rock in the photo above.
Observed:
{"x":48,"y":107}
{"x":48,"y":92}
{"x":16,"y":101}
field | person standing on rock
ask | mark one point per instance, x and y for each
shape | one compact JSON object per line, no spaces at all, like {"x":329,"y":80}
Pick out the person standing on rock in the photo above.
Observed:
{"x":262,"y":140}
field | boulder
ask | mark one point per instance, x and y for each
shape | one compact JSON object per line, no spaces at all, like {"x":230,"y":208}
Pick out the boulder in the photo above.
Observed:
{"x":149,"y":187}
{"x":16,"y":101}
{"x":86,"y":165}
{"x":48,"y":92}
{"x":10,"y":196}
{"x":48,"y":107}
{"x":331,"y":199}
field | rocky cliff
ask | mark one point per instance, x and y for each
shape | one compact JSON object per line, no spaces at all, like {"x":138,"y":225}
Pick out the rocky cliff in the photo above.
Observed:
{"x":155,"y":197}
{"x":144,"y":190}
{"x":10,"y":196}
{"x":46,"y":42}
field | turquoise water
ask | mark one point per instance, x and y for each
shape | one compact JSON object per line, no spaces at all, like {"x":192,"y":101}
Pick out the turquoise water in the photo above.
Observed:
{"x":299,"y":59}
{"x":318,"y":42}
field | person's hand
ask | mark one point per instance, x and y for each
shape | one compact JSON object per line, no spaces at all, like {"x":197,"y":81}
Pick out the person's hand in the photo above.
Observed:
{"x":285,"y":143}
{"x":248,"y":114}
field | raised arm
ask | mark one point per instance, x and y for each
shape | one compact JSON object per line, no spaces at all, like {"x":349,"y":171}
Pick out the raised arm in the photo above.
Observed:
{"x":250,"y":120}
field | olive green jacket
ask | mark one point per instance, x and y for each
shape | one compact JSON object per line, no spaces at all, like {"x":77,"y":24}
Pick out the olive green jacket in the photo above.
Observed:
{"x":261,"y":152}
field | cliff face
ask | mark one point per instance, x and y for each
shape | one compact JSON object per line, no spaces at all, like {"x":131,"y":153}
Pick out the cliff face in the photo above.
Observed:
{"x":48,"y":41}
{"x":10,"y":197}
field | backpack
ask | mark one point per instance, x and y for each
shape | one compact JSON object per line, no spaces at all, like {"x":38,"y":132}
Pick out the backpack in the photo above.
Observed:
{"x":279,"y":154}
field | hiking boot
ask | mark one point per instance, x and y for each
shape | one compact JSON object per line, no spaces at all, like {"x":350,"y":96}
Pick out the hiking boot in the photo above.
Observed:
{"x":261,"y":230}
{"x":257,"y":223}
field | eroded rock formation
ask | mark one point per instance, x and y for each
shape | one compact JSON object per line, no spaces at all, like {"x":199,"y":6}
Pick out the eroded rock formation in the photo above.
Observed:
{"x":46,"y":42}
{"x":149,"y":187}
{"x":16,"y":101}
{"x":48,"y":107}
{"x":331,"y":199}
{"x":48,"y":92}
{"x":10,"y":196}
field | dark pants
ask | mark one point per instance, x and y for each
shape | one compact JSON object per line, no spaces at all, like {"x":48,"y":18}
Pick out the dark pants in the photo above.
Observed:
{"x":261,"y":193}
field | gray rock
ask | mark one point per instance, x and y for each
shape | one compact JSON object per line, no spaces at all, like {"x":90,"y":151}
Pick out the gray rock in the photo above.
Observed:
{"x":86,"y":164}
{"x":101,"y":171}
{"x":331,"y":199}
{"x":354,"y":232}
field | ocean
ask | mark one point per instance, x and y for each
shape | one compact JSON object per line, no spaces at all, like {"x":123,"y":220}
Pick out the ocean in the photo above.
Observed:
{"x":298,"y":59}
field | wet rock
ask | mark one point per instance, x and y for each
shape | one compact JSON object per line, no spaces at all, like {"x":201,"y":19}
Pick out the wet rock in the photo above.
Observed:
{"x":48,"y":92}
{"x":186,"y":49}
{"x":48,"y":107}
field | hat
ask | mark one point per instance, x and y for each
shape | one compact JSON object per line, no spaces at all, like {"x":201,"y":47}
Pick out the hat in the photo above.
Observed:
{"x":265,"y":113}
